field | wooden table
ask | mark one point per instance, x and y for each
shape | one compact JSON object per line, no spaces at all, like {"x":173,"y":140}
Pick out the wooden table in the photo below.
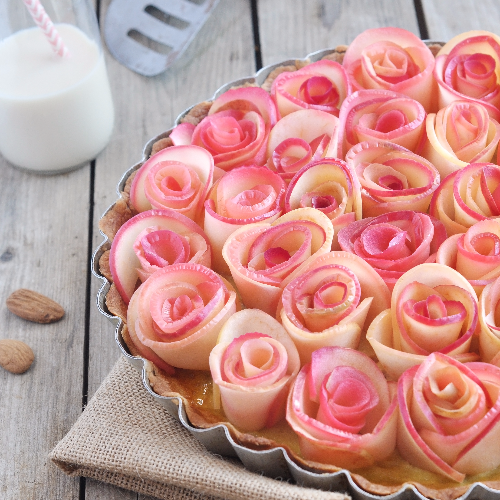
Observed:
{"x":48,"y":227}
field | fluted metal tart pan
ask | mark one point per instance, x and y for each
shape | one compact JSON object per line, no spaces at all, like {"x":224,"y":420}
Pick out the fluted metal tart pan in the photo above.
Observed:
{"x":276,"y":462}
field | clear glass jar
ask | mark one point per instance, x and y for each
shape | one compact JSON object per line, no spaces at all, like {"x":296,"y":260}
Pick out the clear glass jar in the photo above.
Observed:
{"x":56,"y":112}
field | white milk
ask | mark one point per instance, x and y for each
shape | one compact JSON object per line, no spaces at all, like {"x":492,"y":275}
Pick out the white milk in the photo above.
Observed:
{"x":55,"y":112}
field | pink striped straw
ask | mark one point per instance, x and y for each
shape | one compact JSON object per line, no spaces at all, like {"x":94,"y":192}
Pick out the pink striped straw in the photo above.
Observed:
{"x":43,"y":21}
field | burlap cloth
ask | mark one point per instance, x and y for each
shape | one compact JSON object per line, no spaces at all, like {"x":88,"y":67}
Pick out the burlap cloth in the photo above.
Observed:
{"x":124,"y":437}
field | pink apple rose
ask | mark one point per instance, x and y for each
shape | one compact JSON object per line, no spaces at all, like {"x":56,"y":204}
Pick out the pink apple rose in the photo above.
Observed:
{"x":489,"y":318}
{"x":394,"y":242}
{"x":242,"y":196}
{"x":176,"y":314}
{"x":263,"y":257}
{"x":475,"y":254}
{"x":343,"y":410}
{"x":239,"y":99}
{"x":379,"y":115}
{"x":321,"y":85}
{"x":332,"y":302}
{"x":450,"y":417}
{"x":152,"y":240}
{"x":234,"y":138}
{"x":467,"y":196}
{"x":247,"y":99}
{"x":253,"y":366}
{"x":236,"y":129}
{"x":433,"y":309}
{"x":459,"y":134}
{"x":178,"y":178}
{"x":299,"y":138}
{"x":468,"y":67}
{"x":392,"y":178}
{"x":391,"y":59}
{"x":328,"y":185}
{"x":182,"y":134}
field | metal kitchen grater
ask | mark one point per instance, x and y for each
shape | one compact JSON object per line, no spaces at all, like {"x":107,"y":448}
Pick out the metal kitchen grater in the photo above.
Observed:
{"x":147,"y":36}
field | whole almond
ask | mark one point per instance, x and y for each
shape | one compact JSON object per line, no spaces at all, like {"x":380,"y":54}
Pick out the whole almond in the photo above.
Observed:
{"x":15,"y":356}
{"x":34,"y":306}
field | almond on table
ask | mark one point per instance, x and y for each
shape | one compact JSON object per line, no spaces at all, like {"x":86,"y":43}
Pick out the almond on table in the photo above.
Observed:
{"x":34,"y":306}
{"x":15,"y":355}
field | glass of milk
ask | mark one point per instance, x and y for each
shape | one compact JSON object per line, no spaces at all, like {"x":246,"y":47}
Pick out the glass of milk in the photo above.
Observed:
{"x":56,"y":113}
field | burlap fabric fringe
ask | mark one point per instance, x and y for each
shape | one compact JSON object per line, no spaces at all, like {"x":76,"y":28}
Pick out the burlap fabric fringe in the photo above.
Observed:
{"x":126,"y":438}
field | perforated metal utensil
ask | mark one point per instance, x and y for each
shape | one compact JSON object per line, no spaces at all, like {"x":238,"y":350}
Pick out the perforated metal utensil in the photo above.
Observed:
{"x":147,"y":36}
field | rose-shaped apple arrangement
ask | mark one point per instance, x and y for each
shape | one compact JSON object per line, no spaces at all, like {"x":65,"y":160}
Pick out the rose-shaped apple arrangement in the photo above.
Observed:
{"x":236,"y":129}
{"x":394,"y":242}
{"x":378,"y":115}
{"x":474,"y":254}
{"x":343,"y":409}
{"x":264,"y":257}
{"x":321,"y":85}
{"x":450,"y":416}
{"x":330,"y":186}
{"x":332,"y":302}
{"x":243,"y":196}
{"x":433,"y":309}
{"x":178,"y":178}
{"x":392,"y":178}
{"x":176,"y":315}
{"x":152,"y":240}
{"x":391,"y":59}
{"x":275,"y":191}
{"x":467,"y":196}
{"x":468,"y":67}
{"x":298,"y":139}
{"x":489,"y":318}
{"x":459,"y":134}
{"x":253,"y":366}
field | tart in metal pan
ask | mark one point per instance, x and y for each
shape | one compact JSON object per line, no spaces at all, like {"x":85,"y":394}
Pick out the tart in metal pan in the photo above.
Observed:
{"x":261,"y":454}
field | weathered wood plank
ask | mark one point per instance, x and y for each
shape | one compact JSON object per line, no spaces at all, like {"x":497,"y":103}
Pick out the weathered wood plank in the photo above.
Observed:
{"x":448,"y":18}
{"x":43,"y":246}
{"x":145,"y":107}
{"x":102,"y":491}
{"x":294,"y":28}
